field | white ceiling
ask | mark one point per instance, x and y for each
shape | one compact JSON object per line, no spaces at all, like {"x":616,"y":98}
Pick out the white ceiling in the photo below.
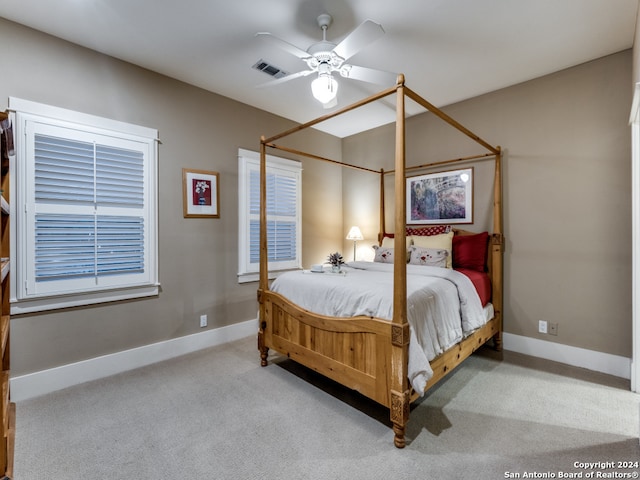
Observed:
{"x":448,"y":50}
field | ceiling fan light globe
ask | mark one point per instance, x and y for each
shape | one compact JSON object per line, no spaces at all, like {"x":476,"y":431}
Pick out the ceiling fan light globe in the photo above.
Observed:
{"x":324,"y":88}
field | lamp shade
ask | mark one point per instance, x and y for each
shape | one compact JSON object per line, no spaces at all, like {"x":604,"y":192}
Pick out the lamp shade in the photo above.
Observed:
{"x":324,"y":88}
{"x":355,"y":234}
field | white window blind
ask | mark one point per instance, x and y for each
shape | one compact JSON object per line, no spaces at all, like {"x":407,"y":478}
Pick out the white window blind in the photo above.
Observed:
{"x":283,"y":213}
{"x":86,"y":210}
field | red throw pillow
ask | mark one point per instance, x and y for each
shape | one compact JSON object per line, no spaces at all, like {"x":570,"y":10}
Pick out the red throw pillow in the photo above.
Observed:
{"x":470,"y":251}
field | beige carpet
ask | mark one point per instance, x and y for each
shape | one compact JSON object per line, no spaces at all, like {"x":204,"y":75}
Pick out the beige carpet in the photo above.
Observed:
{"x":217,"y":414}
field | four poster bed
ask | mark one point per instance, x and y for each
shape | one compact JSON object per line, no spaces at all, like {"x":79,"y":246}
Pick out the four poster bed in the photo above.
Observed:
{"x":377,"y":354}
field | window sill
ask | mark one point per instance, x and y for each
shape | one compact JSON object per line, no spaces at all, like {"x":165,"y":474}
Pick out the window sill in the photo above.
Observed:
{"x":53,"y":303}
{"x":255,"y":277}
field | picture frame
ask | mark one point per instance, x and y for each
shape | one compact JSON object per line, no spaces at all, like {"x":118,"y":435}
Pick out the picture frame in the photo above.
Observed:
{"x":443,"y":197}
{"x":200,"y":193}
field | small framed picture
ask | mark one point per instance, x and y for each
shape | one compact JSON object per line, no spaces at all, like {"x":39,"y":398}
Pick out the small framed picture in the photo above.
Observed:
{"x":445,"y":197}
{"x":200,"y":193}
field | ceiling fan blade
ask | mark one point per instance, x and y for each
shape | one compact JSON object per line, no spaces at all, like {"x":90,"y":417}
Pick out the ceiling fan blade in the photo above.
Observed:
{"x":363,"y":35}
{"x":292,"y":76}
{"x":286,"y":46}
{"x":371,"y":75}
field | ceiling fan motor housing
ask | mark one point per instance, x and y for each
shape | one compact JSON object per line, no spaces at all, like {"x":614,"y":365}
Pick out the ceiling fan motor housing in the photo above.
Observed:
{"x":322,"y":53}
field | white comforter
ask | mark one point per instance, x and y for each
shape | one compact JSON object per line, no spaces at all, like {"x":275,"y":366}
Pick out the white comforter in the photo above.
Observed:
{"x":442,"y":304}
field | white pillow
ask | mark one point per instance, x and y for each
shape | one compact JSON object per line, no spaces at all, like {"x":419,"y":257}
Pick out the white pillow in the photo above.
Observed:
{"x":443,"y":241}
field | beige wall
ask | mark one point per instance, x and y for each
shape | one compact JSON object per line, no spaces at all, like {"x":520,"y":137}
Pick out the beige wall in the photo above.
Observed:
{"x":567,"y":195}
{"x":198,"y":257}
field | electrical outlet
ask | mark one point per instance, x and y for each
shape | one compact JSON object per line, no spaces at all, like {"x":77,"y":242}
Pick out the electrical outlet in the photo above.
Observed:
{"x":542,"y":326}
{"x":203,"y":320}
{"x":553,"y":329}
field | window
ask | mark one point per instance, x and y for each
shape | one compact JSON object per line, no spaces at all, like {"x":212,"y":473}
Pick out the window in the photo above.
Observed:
{"x":85,"y":209}
{"x":283,"y":214}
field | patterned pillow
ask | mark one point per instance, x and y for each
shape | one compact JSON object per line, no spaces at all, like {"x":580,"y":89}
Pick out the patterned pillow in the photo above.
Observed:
{"x":441,"y":242}
{"x":383,"y":254}
{"x":427,"y":231}
{"x":423,"y":231}
{"x":431,"y":257}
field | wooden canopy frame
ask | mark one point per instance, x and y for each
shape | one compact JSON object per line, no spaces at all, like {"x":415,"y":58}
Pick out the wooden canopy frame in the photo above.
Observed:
{"x":369,"y":354}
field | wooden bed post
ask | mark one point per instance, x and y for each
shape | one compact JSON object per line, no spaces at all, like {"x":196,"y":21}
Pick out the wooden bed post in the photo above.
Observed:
{"x":497,"y":248}
{"x":399,"y":385}
{"x":383,"y":229}
{"x":264,"y":262}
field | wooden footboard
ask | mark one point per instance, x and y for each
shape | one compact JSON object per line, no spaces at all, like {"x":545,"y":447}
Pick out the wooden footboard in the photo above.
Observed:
{"x":354,"y":352}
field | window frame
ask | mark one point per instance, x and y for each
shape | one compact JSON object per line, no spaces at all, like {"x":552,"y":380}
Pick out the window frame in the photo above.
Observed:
{"x":248,"y":160}
{"x":28,"y":117}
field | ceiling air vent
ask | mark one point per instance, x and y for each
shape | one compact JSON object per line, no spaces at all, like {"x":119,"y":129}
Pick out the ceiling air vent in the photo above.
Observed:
{"x":269,"y":69}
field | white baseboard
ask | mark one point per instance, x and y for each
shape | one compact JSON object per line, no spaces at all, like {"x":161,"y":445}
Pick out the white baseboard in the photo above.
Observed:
{"x":578,"y":357}
{"x":46,"y":381}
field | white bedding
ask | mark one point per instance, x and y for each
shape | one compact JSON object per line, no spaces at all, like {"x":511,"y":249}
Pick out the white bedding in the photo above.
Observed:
{"x":442,"y":304}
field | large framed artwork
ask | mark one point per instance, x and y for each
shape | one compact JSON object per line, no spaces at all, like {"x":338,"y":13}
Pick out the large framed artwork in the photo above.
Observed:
{"x":200,"y":193}
{"x":444,"y":197}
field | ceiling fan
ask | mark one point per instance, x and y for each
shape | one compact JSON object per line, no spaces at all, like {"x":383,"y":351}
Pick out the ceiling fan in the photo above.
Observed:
{"x":325,"y":58}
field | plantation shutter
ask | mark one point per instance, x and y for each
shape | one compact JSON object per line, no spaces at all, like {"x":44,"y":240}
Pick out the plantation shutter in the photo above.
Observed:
{"x":282,"y":200}
{"x":72,"y":174}
{"x":283,"y":213}
{"x":84,"y":209}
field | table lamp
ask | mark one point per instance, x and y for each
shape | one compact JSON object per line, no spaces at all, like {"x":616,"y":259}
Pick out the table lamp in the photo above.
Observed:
{"x":354,"y":234}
